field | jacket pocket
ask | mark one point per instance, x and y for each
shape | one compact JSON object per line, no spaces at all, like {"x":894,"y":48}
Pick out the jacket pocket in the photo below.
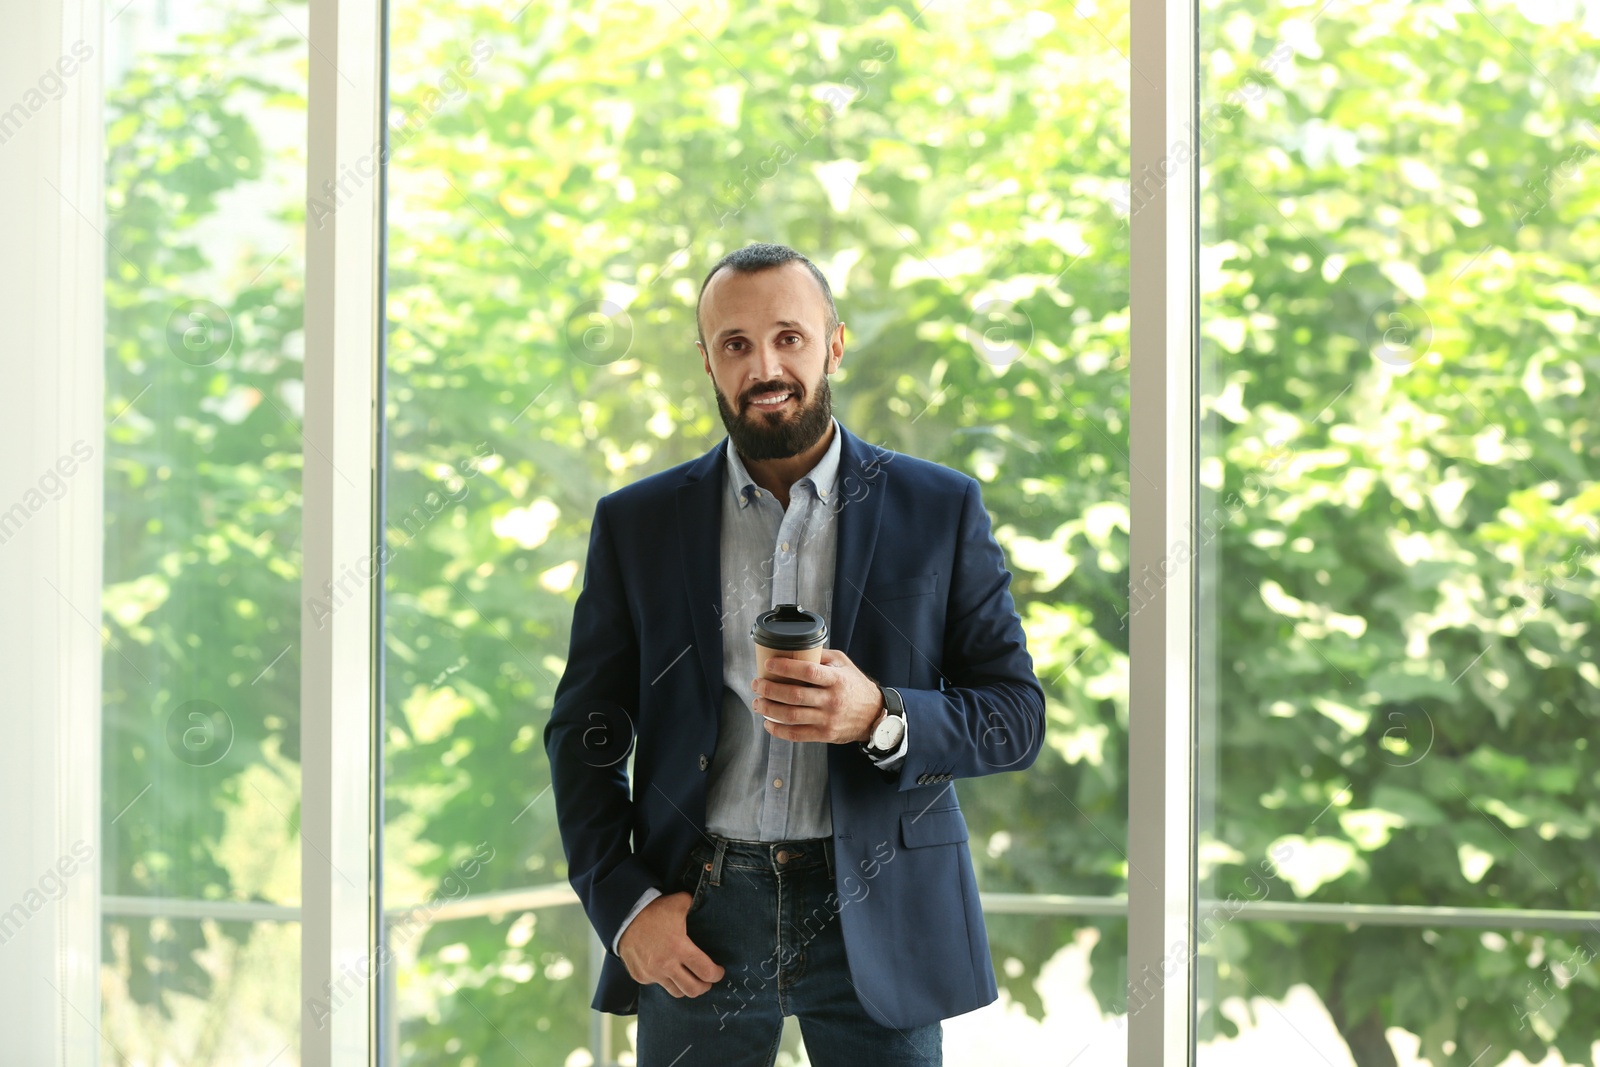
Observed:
{"x":939,"y":826}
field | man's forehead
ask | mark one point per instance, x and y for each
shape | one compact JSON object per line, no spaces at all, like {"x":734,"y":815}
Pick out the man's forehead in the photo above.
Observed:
{"x":777,"y":296}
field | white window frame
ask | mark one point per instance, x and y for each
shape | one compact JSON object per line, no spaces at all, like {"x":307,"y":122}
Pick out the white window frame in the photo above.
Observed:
{"x":1162,"y":449}
{"x":343,"y":339}
{"x":52,"y":366}
{"x":341,"y":964}
{"x":53,"y":207}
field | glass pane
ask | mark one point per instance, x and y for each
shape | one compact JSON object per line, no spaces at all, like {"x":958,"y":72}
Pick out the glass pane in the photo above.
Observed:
{"x":563,"y":177}
{"x":205,"y":195}
{"x":231,"y":996}
{"x":1398,"y":535}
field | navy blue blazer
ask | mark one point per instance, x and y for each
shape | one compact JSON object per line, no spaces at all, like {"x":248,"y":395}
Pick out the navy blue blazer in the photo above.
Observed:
{"x":921,"y":602}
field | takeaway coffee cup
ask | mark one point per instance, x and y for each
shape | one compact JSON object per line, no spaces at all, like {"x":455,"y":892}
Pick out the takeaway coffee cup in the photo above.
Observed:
{"x":788,"y":630}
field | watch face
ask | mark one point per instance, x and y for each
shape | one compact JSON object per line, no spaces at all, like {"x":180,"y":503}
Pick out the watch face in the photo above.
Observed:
{"x":887,"y":735}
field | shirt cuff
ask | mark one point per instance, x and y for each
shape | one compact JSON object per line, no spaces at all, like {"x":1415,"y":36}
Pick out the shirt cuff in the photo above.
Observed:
{"x":644,"y":898}
{"x":891,"y":761}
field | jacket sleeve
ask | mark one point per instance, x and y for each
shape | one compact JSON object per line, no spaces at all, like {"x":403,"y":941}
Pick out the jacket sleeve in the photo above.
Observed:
{"x":588,"y":739}
{"x":990,"y":715}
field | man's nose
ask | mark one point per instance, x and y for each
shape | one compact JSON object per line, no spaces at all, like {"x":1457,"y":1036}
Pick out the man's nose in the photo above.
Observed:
{"x":769,"y":363}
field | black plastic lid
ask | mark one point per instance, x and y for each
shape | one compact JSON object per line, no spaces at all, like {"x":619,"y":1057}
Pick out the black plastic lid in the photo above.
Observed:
{"x":790,"y":628}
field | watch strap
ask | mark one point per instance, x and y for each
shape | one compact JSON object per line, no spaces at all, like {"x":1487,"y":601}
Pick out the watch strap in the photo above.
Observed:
{"x":893,"y":704}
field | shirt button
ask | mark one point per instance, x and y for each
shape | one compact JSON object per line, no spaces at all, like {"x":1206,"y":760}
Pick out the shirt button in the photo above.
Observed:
{"x":784,"y":546}
{"x":703,"y":761}
{"x":777,"y":783}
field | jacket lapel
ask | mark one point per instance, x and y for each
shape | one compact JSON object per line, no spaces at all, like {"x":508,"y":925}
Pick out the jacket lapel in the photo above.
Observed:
{"x":860,"y":501}
{"x":699,"y":503}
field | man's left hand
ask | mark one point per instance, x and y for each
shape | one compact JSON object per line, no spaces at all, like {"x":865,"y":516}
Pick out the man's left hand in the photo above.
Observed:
{"x":830,"y":701}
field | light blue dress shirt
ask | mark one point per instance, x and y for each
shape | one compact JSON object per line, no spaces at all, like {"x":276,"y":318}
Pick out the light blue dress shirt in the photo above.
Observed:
{"x":763,"y":788}
{"x":760,"y":787}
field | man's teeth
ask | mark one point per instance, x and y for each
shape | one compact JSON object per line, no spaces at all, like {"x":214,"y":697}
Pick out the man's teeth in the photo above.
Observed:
{"x":773,"y":401}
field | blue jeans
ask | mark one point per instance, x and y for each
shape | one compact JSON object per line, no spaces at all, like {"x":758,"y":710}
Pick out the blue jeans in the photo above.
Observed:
{"x":762,"y":911}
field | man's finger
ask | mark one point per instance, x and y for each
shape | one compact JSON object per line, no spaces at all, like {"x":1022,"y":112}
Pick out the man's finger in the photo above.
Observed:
{"x":773,"y":715}
{"x":691,"y":985}
{"x":700,"y":965}
{"x":800,"y":696}
{"x":788,"y":714}
{"x":792,"y":714}
{"x":800,"y":672}
{"x":806,"y":732}
{"x":670,"y":986}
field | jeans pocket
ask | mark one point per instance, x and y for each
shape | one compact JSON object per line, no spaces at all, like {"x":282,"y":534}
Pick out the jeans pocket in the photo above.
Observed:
{"x":701,"y":883}
{"x":696,"y":870}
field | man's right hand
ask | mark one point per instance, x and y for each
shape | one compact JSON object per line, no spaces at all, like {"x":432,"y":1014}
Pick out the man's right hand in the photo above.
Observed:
{"x":657,"y":949}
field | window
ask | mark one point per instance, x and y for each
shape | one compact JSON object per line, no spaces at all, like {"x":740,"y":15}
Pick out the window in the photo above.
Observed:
{"x":205,"y":132}
{"x":556,"y":200}
{"x":1267,"y":329}
{"x":1398,"y":512}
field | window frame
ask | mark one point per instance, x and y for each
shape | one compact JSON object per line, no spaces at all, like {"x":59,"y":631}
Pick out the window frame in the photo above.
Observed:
{"x":340,"y":705}
{"x":1163,"y":450}
{"x":341,"y":954}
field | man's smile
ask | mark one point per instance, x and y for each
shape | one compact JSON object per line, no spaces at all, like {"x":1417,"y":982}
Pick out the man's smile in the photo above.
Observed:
{"x":772,"y":401}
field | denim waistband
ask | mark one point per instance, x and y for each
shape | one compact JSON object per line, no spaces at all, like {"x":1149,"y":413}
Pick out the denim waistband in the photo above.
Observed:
{"x":773,"y":857}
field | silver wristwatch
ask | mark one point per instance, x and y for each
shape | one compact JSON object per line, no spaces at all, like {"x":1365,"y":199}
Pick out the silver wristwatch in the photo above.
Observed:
{"x":890,"y":729}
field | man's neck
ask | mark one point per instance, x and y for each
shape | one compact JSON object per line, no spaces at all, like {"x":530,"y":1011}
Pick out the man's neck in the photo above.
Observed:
{"x":777,"y":476}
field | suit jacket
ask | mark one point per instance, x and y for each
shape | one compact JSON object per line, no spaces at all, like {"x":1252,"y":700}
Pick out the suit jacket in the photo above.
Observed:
{"x":921,"y":603}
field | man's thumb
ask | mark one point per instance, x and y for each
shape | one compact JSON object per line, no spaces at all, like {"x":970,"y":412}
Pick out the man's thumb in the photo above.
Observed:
{"x":703,"y":967}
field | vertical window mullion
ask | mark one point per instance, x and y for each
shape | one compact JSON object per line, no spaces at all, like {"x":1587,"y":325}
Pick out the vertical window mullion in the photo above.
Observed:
{"x":1161,"y":717}
{"x":339,"y":962}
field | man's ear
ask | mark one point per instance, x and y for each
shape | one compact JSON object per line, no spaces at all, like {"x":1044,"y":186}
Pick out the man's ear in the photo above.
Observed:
{"x":837,"y":339}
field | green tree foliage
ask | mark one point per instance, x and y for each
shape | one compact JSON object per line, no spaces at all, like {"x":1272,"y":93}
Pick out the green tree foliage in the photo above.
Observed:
{"x":202,"y":489}
{"x":1400,"y":305}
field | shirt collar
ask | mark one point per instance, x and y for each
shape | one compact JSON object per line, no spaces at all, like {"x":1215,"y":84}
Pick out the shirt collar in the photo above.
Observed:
{"x":821,"y":477}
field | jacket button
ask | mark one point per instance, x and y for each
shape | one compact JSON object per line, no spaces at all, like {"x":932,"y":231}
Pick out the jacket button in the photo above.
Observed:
{"x":704,"y":763}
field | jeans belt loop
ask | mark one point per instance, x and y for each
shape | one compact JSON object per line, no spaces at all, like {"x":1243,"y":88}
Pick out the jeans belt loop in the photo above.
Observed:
{"x":716,"y":861}
{"x":827,"y":850}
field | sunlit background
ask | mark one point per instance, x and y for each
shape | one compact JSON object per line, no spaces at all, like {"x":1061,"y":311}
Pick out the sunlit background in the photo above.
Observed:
{"x":1396,"y":550}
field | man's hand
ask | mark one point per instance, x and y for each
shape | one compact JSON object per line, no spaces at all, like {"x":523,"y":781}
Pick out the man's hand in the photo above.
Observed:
{"x":657,"y":949}
{"x":830,"y":701}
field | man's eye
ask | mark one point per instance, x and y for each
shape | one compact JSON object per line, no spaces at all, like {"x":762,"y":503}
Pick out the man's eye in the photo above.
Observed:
{"x":793,"y":335}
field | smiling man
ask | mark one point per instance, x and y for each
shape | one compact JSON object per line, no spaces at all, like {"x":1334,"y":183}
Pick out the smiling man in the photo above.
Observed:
{"x":791,"y":844}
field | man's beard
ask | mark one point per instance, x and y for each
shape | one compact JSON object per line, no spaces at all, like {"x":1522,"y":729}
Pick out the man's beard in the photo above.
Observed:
{"x":756,"y":436}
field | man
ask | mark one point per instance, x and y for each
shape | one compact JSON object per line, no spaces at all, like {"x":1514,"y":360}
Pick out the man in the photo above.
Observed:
{"x":792,"y":845}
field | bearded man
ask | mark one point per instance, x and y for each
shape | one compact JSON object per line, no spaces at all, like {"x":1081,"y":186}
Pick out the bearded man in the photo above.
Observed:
{"x":791,"y":844}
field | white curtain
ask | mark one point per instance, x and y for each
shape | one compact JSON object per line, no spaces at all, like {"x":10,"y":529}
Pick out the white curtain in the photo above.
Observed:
{"x":52,"y":262}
